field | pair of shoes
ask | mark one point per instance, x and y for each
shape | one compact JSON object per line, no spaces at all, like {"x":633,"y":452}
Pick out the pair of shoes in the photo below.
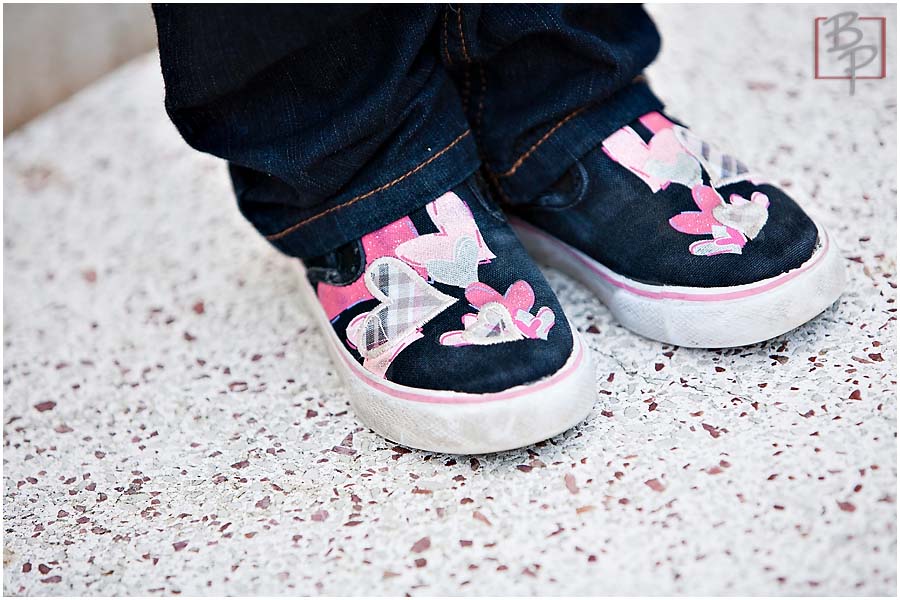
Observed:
{"x":451,"y":340}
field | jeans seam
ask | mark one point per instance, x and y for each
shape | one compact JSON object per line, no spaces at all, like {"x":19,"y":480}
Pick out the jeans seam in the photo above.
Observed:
{"x":462,"y":36}
{"x":518,"y":163}
{"x":494,"y":211}
{"x":498,"y":186}
{"x":390,"y":184}
{"x":446,"y":46}
{"x":492,"y":177}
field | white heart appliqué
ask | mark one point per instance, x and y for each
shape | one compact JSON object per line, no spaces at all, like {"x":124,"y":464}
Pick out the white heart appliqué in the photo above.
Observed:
{"x":748,"y":217}
{"x":492,"y":325}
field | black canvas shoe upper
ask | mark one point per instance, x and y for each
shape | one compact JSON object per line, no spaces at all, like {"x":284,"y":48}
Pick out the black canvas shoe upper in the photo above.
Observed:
{"x":444,"y":299}
{"x":660,"y":206}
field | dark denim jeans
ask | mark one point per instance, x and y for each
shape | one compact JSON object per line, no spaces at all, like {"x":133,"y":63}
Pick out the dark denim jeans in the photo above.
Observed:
{"x":337,"y":120}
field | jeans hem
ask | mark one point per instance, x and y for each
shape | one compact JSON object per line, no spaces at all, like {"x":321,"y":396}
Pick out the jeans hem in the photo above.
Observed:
{"x":351,"y":218}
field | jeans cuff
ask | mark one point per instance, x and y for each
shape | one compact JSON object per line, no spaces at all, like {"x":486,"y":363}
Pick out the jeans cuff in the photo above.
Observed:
{"x":352,"y":216}
{"x":568,"y":140}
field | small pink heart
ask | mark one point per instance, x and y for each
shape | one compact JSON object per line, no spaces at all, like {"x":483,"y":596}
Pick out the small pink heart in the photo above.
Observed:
{"x":530,"y":330}
{"x":519,"y":296}
{"x":535,"y":327}
{"x":478,"y":294}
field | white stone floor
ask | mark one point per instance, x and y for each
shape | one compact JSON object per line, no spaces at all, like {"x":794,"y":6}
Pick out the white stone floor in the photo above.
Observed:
{"x":170,"y":418}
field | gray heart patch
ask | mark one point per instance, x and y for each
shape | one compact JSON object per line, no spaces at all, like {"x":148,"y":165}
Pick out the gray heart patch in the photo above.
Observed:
{"x":748,"y":218}
{"x":462,"y":270}
{"x":685,"y":170}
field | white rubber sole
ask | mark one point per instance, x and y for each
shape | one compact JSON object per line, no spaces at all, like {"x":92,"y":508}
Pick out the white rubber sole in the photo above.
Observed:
{"x":461,"y":423}
{"x":701,"y":317}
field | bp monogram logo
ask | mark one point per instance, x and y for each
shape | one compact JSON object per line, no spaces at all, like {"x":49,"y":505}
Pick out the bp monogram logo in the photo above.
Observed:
{"x":850,"y":47}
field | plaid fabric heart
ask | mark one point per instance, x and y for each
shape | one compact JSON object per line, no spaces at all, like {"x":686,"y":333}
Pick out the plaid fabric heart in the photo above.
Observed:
{"x":722,"y":168}
{"x":407,"y":303}
{"x":335,"y":299}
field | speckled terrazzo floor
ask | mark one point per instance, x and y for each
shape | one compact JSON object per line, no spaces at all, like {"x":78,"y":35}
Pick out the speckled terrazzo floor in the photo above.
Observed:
{"x":172,"y":425}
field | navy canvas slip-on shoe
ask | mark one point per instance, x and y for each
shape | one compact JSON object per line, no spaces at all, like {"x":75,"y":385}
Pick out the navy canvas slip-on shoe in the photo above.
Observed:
{"x":684,"y":243}
{"x":447,"y":333}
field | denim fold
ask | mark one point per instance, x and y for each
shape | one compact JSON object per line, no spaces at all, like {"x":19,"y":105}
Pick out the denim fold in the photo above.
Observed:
{"x":339,"y":119}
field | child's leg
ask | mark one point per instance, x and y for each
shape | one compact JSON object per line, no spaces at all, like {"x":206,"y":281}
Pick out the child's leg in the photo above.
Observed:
{"x":335,"y":120}
{"x":350,"y":149}
{"x":545,"y":83}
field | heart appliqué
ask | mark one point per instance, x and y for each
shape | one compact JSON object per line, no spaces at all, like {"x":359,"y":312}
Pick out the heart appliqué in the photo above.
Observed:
{"x":658,"y":163}
{"x":335,"y":299}
{"x":747,"y":216}
{"x":722,"y":168}
{"x":492,"y":325}
{"x":536,"y":326}
{"x":501,"y":318}
{"x":518,"y":296}
{"x":723,"y":242}
{"x":685,"y":170}
{"x":462,"y":270}
{"x":454,"y":220}
{"x":379,"y":364}
{"x":407,"y":303}
{"x":731,"y":224}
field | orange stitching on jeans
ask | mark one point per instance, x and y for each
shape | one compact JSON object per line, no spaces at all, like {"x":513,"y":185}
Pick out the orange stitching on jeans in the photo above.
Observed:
{"x":296,"y":226}
{"x":543,"y":139}
{"x":446,"y":48}
{"x":462,"y":36}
